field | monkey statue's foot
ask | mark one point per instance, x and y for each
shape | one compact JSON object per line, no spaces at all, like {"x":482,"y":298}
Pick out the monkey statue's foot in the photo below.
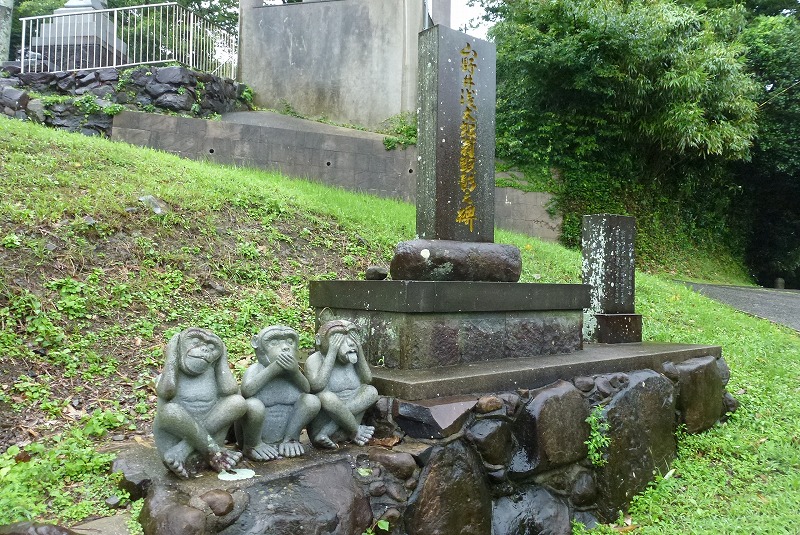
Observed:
{"x":223,"y":459}
{"x":176,"y":467}
{"x":363,"y":434}
{"x":261,"y":452}
{"x":291,"y":448}
{"x":324,"y":441}
{"x":175,"y":459}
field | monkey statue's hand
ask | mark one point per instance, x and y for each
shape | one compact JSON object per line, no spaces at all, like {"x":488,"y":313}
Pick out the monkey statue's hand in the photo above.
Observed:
{"x":334,"y":344}
{"x":287,"y":362}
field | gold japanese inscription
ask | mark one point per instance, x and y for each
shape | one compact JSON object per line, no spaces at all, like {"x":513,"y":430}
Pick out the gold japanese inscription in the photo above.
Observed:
{"x":469,"y":137}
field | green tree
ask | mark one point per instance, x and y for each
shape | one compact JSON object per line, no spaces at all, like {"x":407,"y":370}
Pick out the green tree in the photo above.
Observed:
{"x":772,"y":178}
{"x":635,"y":104}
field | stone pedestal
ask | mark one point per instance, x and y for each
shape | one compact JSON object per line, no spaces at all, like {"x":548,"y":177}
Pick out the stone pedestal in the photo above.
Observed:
{"x":418,"y":325}
{"x":424,"y":325}
{"x":609,"y":269}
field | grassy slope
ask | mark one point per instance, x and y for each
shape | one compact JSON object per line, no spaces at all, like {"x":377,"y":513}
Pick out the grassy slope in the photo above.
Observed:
{"x":87,"y":304}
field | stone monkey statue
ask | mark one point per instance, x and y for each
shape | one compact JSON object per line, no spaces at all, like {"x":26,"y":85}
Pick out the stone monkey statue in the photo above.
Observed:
{"x":339,"y":375}
{"x":198,"y":400}
{"x":279,"y":405}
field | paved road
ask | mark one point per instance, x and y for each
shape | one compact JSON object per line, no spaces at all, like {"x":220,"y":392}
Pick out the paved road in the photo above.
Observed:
{"x":779,"y":306}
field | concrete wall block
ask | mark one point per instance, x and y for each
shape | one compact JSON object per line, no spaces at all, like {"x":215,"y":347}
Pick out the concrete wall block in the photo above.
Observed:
{"x":130,"y":119}
{"x":312,"y":140}
{"x":161,"y":123}
{"x":344,"y":161}
{"x":134,"y":136}
{"x":244,"y":150}
{"x":196,"y":128}
{"x":219,"y":129}
{"x":170,"y":141}
{"x":216,"y":147}
{"x":362,"y":162}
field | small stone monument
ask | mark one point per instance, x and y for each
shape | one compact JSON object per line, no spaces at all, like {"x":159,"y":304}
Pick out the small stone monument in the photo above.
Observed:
{"x":609,"y":269}
{"x":198,"y":401}
{"x":279,"y":404}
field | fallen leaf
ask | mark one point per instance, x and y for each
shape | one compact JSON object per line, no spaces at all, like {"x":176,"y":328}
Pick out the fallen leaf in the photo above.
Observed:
{"x":387,"y":442}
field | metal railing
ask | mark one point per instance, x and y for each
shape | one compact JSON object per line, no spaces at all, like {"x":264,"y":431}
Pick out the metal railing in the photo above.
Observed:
{"x":123,"y":37}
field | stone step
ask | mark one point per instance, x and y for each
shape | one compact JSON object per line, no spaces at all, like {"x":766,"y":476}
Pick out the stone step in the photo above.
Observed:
{"x":532,"y":372}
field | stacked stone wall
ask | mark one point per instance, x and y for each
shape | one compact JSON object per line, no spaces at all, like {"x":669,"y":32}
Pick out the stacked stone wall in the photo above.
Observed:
{"x":509,"y":463}
{"x":86,"y":101}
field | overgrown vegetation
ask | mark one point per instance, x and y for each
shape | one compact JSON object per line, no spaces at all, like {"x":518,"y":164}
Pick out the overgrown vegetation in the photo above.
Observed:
{"x":598,"y":441}
{"x":93,"y":283}
{"x":401,"y":131}
{"x":655,"y":109}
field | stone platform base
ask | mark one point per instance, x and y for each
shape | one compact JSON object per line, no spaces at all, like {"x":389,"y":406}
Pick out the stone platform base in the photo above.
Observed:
{"x":506,"y":463}
{"x":415,"y":325}
{"x":532,"y":372}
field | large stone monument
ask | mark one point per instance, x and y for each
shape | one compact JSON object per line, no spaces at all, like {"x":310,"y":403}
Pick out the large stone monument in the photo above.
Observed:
{"x":287,"y":51}
{"x":454,"y":301}
{"x":455,"y":183}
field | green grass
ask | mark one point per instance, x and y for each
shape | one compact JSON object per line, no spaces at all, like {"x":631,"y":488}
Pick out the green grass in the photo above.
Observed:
{"x":92,"y":284}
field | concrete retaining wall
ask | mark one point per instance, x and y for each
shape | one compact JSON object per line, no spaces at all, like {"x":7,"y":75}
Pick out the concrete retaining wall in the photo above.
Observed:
{"x":350,"y":159}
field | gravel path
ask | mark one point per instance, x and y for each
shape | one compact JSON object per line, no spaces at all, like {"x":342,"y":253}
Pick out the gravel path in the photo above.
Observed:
{"x":779,"y":306}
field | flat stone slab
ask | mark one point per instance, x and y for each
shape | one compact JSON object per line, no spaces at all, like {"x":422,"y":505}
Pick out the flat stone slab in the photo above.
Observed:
{"x":533,"y":372}
{"x":447,"y":296}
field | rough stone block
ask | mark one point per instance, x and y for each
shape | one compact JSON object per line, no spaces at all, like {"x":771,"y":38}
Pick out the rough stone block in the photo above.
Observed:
{"x":432,"y":342}
{"x":550,"y":432}
{"x":642,"y":423}
{"x":175,"y":101}
{"x":533,"y":510}
{"x":700,"y":393}
{"x":178,"y":76}
{"x":492,"y":439}
{"x":433,"y":418}
{"x":452,"y":497}
{"x":479,"y":338}
{"x":445,"y":260}
{"x":13,"y":98}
